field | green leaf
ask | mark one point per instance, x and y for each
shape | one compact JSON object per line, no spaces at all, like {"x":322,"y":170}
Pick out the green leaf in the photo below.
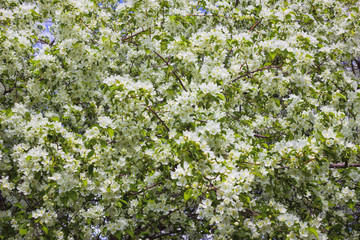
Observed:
{"x":313,"y":230}
{"x":131,"y":233}
{"x":309,"y":56}
{"x":90,"y":154}
{"x":46,"y":230}
{"x":9,"y":112}
{"x":273,"y":55}
{"x":104,"y":39}
{"x":18,"y":205}
{"x":339,"y":95}
{"x":85,"y":182}
{"x":187,"y":194}
{"x":64,"y":200}
{"x":172,"y":18}
{"x":103,"y":143}
{"x":119,"y":235}
{"x":351,"y":205}
{"x":27,"y":116}
{"x":110,"y":132}
{"x":91,"y":169}
{"x":339,"y":135}
{"x":221,"y":96}
{"x":23,"y":231}
{"x":73,"y":195}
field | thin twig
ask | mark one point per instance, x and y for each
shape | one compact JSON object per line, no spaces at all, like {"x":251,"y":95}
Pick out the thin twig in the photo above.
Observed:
{"x":144,"y":189}
{"x":88,"y":28}
{"x":260,"y":136}
{"x":131,"y":36}
{"x":199,"y":120}
{"x":199,"y":15}
{"x":173,"y":72}
{"x":157,"y":116}
{"x":258,"y":70}
{"x":257,"y":23}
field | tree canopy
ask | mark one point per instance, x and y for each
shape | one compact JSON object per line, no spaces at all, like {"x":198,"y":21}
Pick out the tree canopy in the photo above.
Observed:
{"x":170,"y":119}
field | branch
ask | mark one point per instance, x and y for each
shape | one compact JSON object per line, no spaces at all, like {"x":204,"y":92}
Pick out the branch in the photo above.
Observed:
{"x":128,"y":41}
{"x":173,"y":72}
{"x":157,"y":116}
{"x":144,"y":189}
{"x":157,"y":220}
{"x":343,"y":165}
{"x":161,"y":235}
{"x":236,"y":3}
{"x":257,"y":23}
{"x":6,"y":91}
{"x":260,"y":136}
{"x":162,"y":58}
{"x":333,"y":165}
{"x":178,"y":78}
{"x":199,"y":120}
{"x":92,"y":30}
{"x":66,"y":228}
{"x":131,"y":36}
{"x":198,"y":15}
{"x":258,"y":70}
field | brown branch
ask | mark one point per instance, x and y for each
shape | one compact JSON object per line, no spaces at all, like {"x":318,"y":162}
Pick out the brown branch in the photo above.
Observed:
{"x":252,"y":212}
{"x":257,"y":70}
{"x":236,"y":3}
{"x":343,"y":165}
{"x":131,"y":42}
{"x":144,"y":189}
{"x":199,"y":120}
{"x":178,"y":78}
{"x":45,"y":42}
{"x":86,"y":25}
{"x":260,"y":136}
{"x":6,"y":91}
{"x":139,"y":230}
{"x":211,"y":184}
{"x":92,"y":30}
{"x":161,"y":235}
{"x":333,"y":165}
{"x":257,"y":23}
{"x":166,"y":62}
{"x":198,"y":15}
{"x":157,"y":116}
{"x":65,"y":227}
{"x":173,"y":72}
{"x":131,"y":36}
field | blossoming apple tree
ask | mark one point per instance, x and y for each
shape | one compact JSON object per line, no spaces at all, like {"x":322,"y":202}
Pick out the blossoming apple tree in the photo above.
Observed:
{"x":180,"y":118}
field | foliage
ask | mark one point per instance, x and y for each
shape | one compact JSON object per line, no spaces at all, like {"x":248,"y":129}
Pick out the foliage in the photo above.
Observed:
{"x":173,"y":118}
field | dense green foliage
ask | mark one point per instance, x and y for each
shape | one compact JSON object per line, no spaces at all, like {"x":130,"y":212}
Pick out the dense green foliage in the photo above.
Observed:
{"x":172,"y":118}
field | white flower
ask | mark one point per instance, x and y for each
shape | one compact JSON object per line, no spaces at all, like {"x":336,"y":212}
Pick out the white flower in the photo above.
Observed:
{"x":213,"y":127}
{"x":105,"y":122}
{"x":291,"y":236}
{"x":303,"y":232}
{"x":92,"y":132}
{"x":329,"y":133}
{"x":355,"y":175}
